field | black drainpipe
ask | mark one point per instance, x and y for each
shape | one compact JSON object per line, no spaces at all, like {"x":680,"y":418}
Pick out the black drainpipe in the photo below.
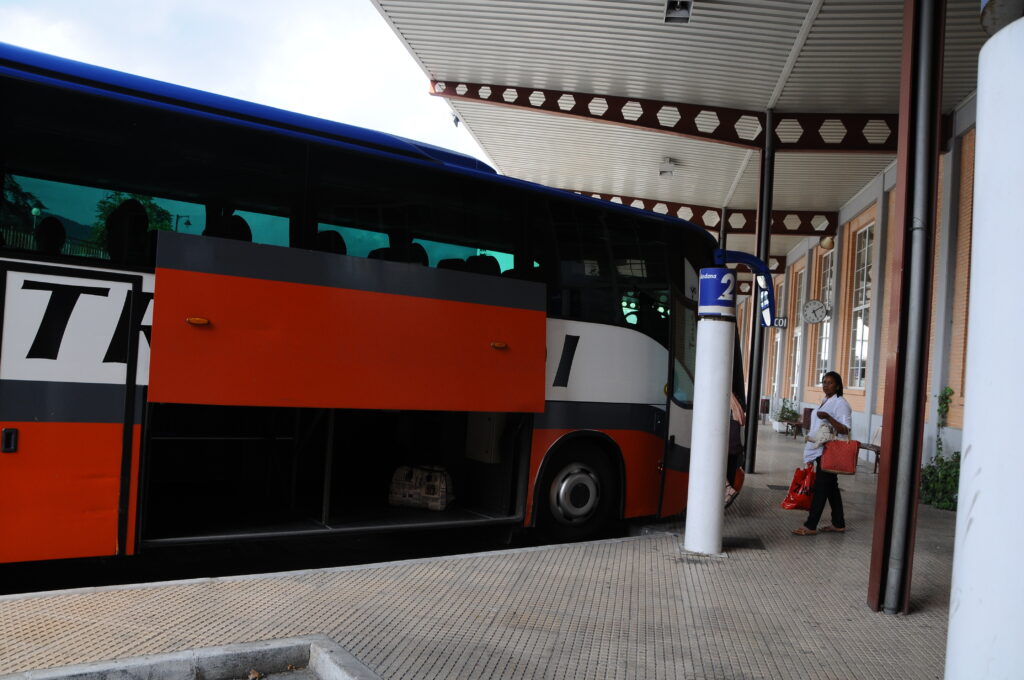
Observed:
{"x":764,"y":230}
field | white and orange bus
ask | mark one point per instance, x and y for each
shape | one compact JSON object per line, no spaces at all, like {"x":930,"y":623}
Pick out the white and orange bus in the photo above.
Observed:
{"x":224,"y":321}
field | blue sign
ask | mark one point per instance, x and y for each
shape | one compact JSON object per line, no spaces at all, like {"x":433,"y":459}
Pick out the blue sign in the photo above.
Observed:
{"x":717,"y":296}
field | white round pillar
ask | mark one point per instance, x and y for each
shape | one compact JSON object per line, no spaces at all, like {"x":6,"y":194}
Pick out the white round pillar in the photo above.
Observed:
{"x":986,"y":611}
{"x":709,"y":445}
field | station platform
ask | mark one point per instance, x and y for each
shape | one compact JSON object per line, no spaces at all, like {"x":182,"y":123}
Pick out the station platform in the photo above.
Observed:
{"x":774,"y":606}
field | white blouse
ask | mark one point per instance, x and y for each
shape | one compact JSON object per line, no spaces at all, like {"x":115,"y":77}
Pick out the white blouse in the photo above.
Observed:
{"x":838,"y":408}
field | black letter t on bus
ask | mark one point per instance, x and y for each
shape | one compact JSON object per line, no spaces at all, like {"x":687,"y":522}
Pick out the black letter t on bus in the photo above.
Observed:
{"x":55,"y":319}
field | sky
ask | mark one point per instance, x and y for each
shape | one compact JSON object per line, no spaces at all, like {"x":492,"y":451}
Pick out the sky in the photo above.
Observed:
{"x":335,"y":59}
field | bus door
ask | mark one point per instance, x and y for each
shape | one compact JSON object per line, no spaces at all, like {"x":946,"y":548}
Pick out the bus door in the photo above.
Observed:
{"x":67,"y":409}
{"x":679,"y":401}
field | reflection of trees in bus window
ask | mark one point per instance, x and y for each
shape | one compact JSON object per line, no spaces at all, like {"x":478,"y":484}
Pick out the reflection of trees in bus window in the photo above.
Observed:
{"x":84,"y":211}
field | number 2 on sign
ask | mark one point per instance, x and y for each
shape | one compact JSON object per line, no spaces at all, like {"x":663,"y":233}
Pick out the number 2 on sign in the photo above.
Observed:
{"x":729,"y":281}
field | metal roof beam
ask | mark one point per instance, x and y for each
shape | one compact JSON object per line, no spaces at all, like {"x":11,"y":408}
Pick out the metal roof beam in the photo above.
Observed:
{"x":784,"y":222}
{"x":845,"y":132}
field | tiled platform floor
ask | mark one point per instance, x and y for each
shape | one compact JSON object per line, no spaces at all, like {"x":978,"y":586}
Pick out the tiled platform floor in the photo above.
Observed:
{"x":776,"y":606}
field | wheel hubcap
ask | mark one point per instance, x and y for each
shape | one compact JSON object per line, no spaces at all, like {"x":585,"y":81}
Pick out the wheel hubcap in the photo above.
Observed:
{"x":575,"y":494}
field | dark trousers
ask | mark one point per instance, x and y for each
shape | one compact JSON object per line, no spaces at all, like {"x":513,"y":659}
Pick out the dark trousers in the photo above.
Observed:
{"x":826,"y":488}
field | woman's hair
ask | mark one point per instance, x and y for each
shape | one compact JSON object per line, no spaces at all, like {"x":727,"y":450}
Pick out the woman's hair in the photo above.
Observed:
{"x":839,"y":381}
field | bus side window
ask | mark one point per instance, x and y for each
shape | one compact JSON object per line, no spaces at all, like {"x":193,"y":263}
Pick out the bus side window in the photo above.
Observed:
{"x":271,"y":230}
{"x":586,"y":291}
{"x":642,"y":276}
{"x":356,"y":242}
{"x":330,"y":241}
{"x":684,"y":351}
{"x":86,"y":214}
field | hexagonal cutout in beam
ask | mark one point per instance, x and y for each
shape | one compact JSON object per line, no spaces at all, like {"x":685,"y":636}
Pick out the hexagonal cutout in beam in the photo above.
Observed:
{"x":632,"y":110}
{"x":877,"y":131}
{"x":748,"y":127}
{"x":832,"y":131}
{"x":597,"y":106}
{"x":789,"y":130}
{"x":707,"y":121}
{"x":737,"y":220}
{"x":668,"y":116}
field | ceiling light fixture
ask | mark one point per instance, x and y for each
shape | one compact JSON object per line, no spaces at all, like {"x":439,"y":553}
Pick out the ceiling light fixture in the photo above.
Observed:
{"x":668,"y":167}
{"x":678,"y":11}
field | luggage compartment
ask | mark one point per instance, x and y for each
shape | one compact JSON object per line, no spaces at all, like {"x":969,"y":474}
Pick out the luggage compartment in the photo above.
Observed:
{"x":219,"y":472}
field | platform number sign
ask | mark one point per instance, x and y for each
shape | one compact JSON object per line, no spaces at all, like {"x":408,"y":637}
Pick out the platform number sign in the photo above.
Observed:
{"x":717,"y":296}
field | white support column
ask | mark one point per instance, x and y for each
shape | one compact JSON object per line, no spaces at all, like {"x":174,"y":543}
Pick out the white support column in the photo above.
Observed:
{"x":877,"y":314}
{"x":986,"y":612}
{"x":709,"y":445}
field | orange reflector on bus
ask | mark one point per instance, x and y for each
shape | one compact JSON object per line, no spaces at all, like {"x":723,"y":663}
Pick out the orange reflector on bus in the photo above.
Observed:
{"x":499,"y":345}
{"x":197,"y":321}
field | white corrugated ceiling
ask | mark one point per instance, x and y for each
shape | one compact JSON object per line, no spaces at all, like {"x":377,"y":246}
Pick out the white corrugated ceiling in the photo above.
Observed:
{"x":810,"y":56}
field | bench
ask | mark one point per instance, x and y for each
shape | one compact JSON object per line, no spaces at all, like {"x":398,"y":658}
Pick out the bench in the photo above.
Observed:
{"x":799,"y":426}
{"x":794,"y":427}
{"x":874,"y":448}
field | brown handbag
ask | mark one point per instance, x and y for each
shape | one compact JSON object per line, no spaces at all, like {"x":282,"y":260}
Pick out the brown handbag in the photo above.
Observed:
{"x":840,"y":457}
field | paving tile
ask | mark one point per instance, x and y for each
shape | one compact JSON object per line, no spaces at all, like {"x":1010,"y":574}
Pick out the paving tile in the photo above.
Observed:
{"x":776,"y":606}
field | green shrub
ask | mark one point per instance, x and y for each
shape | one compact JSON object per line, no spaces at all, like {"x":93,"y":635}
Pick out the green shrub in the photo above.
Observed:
{"x":786,"y":411}
{"x":941,"y":477}
{"x":940,"y":480}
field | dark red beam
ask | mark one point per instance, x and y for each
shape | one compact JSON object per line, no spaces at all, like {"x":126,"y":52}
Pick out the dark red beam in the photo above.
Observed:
{"x":784,"y":222}
{"x":845,"y":132}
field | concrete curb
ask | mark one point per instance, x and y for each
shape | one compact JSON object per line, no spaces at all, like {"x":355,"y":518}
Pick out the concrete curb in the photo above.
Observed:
{"x":318,"y":654}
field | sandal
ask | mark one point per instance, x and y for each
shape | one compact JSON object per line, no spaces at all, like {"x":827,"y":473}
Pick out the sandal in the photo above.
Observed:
{"x":832,"y":529}
{"x":804,"y":531}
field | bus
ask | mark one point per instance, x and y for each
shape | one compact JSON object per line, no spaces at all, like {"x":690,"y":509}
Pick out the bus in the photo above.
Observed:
{"x":223,"y":321}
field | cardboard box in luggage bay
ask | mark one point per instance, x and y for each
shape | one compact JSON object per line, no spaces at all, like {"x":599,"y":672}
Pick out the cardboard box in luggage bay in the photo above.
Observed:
{"x":421,"y":486}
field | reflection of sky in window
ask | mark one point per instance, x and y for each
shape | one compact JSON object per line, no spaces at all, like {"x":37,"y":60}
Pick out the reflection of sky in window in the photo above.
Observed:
{"x":358,"y":242}
{"x":269,"y":229}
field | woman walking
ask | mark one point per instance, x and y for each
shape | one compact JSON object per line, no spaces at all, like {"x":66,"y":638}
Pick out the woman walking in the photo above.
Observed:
{"x":835,"y":411}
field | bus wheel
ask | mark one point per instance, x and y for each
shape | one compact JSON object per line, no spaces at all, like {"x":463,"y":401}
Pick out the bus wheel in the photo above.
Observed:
{"x":579,"y":494}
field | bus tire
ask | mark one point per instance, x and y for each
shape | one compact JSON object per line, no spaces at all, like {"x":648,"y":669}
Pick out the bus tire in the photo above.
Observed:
{"x":579,"y":495}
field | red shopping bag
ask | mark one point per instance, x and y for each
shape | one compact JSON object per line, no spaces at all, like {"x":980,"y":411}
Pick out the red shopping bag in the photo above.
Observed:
{"x":840,"y":457}
{"x":801,"y":489}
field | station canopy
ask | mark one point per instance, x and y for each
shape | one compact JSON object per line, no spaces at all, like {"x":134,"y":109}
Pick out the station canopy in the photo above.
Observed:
{"x":661,"y":105}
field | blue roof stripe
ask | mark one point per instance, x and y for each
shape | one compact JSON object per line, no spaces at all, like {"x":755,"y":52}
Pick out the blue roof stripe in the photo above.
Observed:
{"x":77,"y":73}
{"x":28,"y":64}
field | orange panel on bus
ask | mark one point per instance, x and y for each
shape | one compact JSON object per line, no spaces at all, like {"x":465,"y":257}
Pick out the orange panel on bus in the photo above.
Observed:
{"x":282,"y":343}
{"x":59,"y":491}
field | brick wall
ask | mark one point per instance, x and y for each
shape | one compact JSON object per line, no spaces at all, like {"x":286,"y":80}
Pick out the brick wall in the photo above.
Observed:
{"x":958,"y":331}
{"x":887,"y":297}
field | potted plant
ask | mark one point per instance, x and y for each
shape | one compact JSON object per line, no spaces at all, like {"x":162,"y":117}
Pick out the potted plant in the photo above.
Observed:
{"x":786,"y":412}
